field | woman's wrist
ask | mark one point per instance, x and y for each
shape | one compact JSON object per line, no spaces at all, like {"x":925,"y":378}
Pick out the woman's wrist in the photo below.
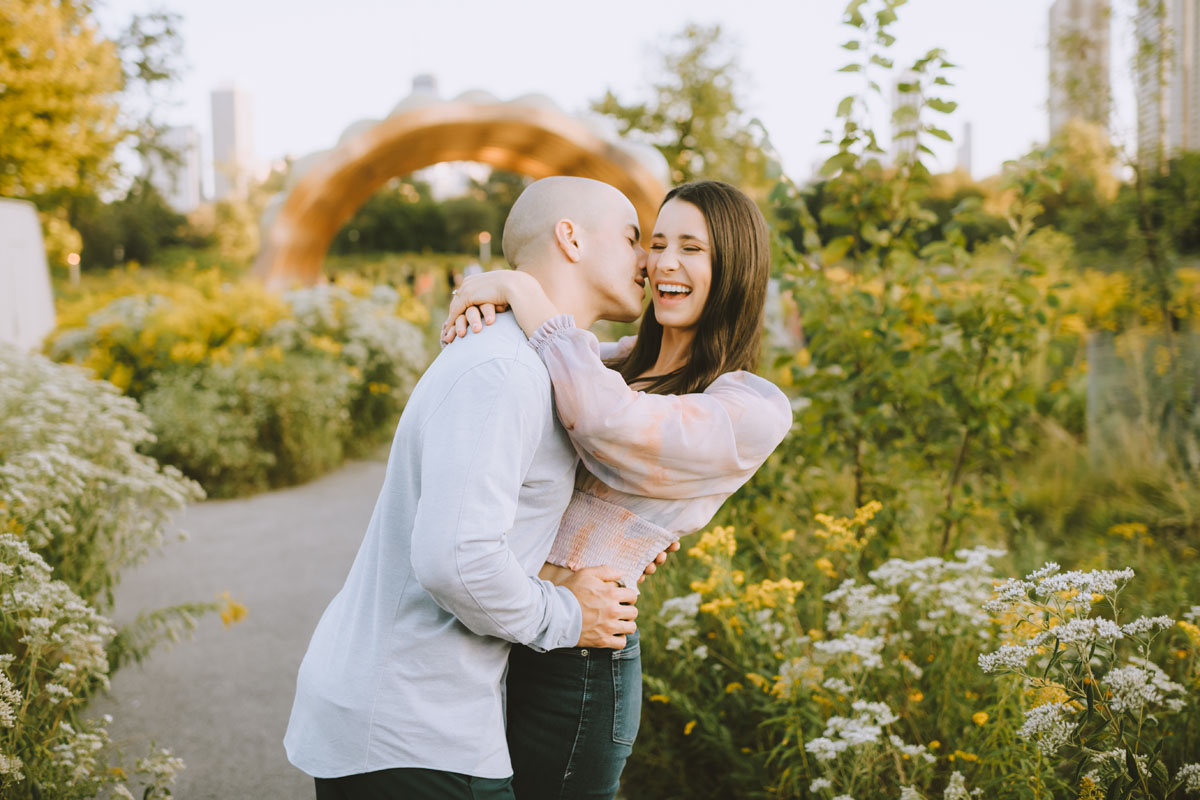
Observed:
{"x":529,"y":302}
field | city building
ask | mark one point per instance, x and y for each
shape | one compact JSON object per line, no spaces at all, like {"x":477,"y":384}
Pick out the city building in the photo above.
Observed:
{"x":906,"y":116}
{"x":1080,"y":39}
{"x":1168,"y":79}
{"x":178,"y":180}
{"x":965,"y":155}
{"x":232,"y":142}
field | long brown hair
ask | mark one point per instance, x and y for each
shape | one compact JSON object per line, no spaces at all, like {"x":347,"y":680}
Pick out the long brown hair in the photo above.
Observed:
{"x":729,"y":331}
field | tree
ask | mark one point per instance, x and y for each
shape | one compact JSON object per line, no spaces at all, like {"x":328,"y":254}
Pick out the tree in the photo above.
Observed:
{"x":695,"y":117}
{"x":60,"y":83}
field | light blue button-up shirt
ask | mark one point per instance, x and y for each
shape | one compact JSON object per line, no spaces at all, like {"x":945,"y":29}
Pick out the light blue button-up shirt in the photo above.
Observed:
{"x":406,"y":666}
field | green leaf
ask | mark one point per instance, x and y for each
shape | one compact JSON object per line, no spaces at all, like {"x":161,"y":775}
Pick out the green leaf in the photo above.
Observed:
{"x":881,"y":61}
{"x":838,"y":161}
{"x":851,"y":68}
{"x":836,"y":250}
{"x":943,"y":106}
{"x":885,"y":17}
{"x":1131,"y":764}
{"x":844,"y":107}
{"x":939,"y":133}
{"x":853,"y":44}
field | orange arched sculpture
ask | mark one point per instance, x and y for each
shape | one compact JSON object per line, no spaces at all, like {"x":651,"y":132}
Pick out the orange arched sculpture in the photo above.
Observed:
{"x":526,"y":138}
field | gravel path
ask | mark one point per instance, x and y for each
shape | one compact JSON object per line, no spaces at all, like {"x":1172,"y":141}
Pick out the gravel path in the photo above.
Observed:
{"x":221,"y":700}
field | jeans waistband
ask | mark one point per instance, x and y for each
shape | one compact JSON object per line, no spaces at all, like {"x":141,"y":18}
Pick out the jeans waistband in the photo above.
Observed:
{"x":632,"y":645}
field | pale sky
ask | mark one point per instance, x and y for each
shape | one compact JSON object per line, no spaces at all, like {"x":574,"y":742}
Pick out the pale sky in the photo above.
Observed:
{"x":312,"y":67}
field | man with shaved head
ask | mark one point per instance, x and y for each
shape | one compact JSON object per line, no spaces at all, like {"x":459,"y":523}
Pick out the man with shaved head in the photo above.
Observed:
{"x":400,"y":693}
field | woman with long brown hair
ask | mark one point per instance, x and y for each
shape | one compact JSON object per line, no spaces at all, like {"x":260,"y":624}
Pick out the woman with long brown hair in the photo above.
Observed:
{"x":667,"y":424}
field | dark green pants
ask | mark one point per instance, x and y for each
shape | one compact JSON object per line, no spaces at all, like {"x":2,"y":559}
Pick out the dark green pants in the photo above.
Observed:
{"x":413,"y":784}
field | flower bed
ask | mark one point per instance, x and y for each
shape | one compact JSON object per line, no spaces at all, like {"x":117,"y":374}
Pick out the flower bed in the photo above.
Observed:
{"x":248,"y":389}
{"x":78,"y":503}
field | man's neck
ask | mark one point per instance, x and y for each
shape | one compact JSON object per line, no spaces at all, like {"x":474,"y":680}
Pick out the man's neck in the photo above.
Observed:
{"x":566,"y":296}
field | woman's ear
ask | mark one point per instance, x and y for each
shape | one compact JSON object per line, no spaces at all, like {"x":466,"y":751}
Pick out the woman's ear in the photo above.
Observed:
{"x":566,"y":236}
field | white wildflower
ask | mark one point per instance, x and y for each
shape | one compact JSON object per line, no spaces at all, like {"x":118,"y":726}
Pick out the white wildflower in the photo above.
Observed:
{"x":1189,"y":776}
{"x":859,"y":605}
{"x":1049,"y":726}
{"x":838,"y":686}
{"x":1011,"y":657}
{"x":881,"y":713}
{"x":795,"y":672}
{"x":1083,"y":632}
{"x":1140,"y":684}
{"x":820,"y":784}
{"x":1008,"y":594}
{"x":1044,"y":572}
{"x":824,"y":749}
{"x":1100,"y":581}
{"x":863,"y":649}
{"x":913,"y":751}
{"x":11,"y":766}
{"x":956,"y":789}
{"x":701,"y":652}
{"x":10,"y":701}
{"x":58,"y":693}
{"x":1192,"y":615}
{"x":843,"y":797}
{"x":909,"y":793}
{"x":681,"y":618}
{"x":1146,"y":624}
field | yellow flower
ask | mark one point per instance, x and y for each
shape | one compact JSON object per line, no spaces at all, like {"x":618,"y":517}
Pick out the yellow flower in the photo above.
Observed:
{"x":758,"y":680}
{"x":826,"y":567}
{"x":659,"y":698}
{"x":1193,"y":632}
{"x":1089,"y":790}
{"x":687,"y":729}
{"x":715,"y":606}
{"x":1128,"y":530}
{"x":735,"y":686}
{"x":980,"y":717}
{"x":965,"y":756}
{"x":117,"y":772}
{"x":915,"y":696}
{"x":233,"y":611}
{"x":788,"y":535}
{"x":935,"y":744}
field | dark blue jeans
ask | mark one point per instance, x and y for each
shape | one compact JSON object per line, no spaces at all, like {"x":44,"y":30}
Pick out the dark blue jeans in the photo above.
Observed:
{"x":572,"y":717}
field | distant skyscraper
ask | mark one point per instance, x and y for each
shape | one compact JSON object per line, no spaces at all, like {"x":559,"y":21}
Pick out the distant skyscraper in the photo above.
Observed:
{"x":178,"y":181}
{"x":1079,"y":71}
{"x":1168,"y":79}
{"x":964,"y":149}
{"x":233,"y":142}
{"x":906,"y":116}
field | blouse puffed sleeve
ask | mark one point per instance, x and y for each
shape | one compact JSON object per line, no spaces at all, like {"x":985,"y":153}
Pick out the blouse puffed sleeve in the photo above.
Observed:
{"x":671,"y":447}
{"x":618,"y":349}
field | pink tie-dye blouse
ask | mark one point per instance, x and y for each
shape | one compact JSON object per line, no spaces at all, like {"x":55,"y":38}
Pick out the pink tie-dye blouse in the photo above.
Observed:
{"x":655,"y":467}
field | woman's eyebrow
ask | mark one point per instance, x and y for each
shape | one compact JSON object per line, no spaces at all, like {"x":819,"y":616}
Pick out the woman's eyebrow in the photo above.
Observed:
{"x":684,"y":236}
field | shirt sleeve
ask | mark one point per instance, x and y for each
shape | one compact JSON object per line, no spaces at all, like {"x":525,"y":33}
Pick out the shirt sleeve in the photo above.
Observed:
{"x":476,"y":450}
{"x":672,"y":447}
{"x":618,"y":349}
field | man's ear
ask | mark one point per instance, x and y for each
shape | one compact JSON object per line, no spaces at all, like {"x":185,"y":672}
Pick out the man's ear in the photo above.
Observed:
{"x":566,"y":236}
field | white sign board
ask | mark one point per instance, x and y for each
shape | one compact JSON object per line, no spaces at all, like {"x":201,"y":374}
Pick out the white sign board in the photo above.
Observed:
{"x":26,"y":302}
